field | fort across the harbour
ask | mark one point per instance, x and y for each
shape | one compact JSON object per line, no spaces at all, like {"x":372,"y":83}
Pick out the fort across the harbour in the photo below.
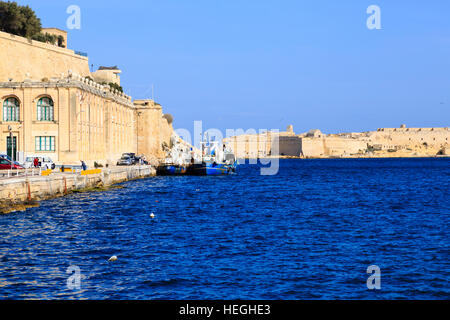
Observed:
{"x":402,"y":142}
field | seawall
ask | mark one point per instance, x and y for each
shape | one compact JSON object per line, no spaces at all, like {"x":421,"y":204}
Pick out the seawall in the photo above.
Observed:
{"x":16,"y":194}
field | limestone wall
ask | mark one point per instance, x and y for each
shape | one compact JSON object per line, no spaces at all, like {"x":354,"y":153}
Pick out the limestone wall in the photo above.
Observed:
{"x":289,"y":145}
{"x":312,"y":147}
{"x":411,"y":136}
{"x":22,"y":59}
{"x":385,"y":142}
{"x":250,"y":145}
{"x":152,"y":130}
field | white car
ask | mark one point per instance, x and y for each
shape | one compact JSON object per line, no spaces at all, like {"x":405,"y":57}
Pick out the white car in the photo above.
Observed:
{"x":44,"y":163}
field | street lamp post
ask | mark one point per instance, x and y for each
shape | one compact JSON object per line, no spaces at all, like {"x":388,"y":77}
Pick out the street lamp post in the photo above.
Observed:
{"x":11,"y":145}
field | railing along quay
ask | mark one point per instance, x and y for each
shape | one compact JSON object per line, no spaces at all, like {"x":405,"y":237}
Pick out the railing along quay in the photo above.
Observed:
{"x":11,"y":173}
{"x":33,"y":172}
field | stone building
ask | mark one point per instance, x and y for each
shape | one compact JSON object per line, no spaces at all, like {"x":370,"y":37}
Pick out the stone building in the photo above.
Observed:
{"x":107,"y":75}
{"x":266,"y":144}
{"x":251,"y":145}
{"x":51,"y":107}
{"x":385,"y":142}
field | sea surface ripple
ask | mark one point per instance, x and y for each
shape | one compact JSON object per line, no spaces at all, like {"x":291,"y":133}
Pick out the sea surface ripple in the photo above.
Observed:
{"x":309,"y":232}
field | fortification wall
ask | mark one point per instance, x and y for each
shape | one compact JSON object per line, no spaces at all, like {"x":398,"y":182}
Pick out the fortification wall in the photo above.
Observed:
{"x":411,"y":136}
{"x":21,"y":59}
{"x":152,"y":130}
{"x":336,"y":146}
{"x":250,"y":145}
{"x":386,"y":142}
{"x":290,"y":145}
{"x":312,"y":147}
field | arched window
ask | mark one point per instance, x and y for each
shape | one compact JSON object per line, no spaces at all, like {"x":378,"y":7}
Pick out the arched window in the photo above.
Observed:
{"x":45,"y":109}
{"x":11,"y":110}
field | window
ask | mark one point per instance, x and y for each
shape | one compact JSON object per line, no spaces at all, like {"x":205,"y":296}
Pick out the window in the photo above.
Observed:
{"x":45,"y":109}
{"x":45,"y":143}
{"x":11,"y":110}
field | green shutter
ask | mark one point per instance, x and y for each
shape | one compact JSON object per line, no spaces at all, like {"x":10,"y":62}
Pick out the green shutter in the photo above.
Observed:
{"x":45,"y":109}
{"x":11,"y":109}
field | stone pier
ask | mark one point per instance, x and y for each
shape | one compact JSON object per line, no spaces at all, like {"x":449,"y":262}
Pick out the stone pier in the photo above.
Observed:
{"x":18,"y":193}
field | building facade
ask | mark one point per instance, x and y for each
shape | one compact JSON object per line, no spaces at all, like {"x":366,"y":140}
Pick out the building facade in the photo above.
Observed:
{"x":67,"y":120}
{"x":53,"y":106}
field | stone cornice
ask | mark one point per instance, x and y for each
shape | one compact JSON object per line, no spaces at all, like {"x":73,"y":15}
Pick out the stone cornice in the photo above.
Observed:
{"x":83,"y":84}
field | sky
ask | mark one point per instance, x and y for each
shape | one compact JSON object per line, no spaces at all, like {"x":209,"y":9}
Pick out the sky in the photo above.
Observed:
{"x":265,"y":64}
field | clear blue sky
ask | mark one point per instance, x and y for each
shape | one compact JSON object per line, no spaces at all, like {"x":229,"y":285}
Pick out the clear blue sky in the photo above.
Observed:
{"x":266,"y":64}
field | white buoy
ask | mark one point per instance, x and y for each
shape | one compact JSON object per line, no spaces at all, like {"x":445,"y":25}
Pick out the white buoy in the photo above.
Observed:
{"x":152,"y":216}
{"x":113,"y":258}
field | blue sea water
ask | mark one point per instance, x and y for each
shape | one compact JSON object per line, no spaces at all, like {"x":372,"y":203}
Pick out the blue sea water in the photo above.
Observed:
{"x":309,"y":232}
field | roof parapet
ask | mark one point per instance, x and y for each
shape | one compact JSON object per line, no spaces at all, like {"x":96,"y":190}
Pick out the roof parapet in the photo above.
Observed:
{"x":98,"y":86}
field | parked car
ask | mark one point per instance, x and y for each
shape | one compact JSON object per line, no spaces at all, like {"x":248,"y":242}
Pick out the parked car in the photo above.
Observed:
{"x":125,"y":161}
{"x":5,"y":156}
{"x":133,"y":157}
{"x":44,"y":162}
{"x":6,"y":164}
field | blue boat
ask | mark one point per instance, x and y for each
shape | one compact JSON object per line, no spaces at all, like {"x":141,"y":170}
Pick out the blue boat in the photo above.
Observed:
{"x":216,"y":160}
{"x":171,"y":170}
{"x":176,"y":162}
{"x":211,"y":169}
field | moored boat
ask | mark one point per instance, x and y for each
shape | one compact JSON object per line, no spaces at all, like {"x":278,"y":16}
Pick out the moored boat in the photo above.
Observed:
{"x":171,"y":170}
{"x":211,"y":169}
{"x":177,"y":159}
{"x":216,"y":160}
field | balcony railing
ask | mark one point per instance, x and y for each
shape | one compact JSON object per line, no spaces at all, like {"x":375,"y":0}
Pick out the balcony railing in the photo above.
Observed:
{"x":83,"y":54}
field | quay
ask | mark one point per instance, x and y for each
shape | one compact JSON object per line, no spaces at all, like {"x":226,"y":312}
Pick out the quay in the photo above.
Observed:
{"x":17,"y":193}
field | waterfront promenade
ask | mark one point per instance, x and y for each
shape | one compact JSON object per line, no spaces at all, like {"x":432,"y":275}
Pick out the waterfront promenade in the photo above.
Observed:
{"x":23,"y":191}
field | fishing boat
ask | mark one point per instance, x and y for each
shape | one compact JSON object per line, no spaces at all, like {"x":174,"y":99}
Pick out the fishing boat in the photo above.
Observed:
{"x":216,"y":159}
{"x":211,"y":169}
{"x":176,"y":161}
{"x":171,"y":170}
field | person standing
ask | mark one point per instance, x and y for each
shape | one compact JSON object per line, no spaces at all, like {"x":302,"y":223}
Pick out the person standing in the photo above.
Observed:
{"x":83,"y":165}
{"x":36,"y":162}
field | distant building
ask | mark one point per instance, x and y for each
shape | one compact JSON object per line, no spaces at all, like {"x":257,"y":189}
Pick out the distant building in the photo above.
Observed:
{"x":401,"y":141}
{"x":107,"y":75}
